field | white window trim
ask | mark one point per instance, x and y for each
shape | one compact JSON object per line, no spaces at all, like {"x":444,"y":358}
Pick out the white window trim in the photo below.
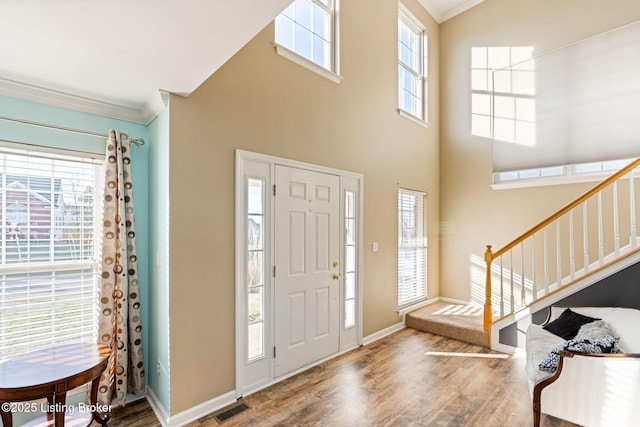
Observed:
{"x":309,"y":65}
{"x":67,"y":265}
{"x":257,"y":374}
{"x":413,"y":118}
{"x":423,"y":121}
{"x":332,"y":75}
{"x":419,"y":301}
{"x":569,"y":176}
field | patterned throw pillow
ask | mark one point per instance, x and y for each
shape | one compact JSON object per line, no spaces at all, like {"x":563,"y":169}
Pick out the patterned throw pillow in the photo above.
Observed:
{"x":602,"y":345}
{"x":597,"y":330}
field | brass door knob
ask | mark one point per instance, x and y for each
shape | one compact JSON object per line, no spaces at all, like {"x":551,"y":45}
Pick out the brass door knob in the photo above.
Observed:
{"x":336,"y":277}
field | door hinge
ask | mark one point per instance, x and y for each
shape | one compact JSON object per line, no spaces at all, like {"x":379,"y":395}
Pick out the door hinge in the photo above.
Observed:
{"x":274,"y":271}
{"x":274,"y":189}
{"x":274,"y":351}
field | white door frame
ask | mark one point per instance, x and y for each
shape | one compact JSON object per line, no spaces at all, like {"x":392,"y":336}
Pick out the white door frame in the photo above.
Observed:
{"x":259,"y":373}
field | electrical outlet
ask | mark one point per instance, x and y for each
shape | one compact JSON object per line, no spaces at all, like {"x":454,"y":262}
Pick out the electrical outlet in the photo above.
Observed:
{"x":158,"y":367}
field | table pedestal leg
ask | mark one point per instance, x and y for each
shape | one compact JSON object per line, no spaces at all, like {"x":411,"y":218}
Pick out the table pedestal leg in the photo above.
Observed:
{"x":50,"y":403}
{"x":102,"y":420}
{"x":60,"y":399}
{"x":7,"y":418}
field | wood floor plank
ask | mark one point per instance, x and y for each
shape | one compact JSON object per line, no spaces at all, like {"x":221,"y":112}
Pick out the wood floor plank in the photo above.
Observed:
{"x":410,"y":378}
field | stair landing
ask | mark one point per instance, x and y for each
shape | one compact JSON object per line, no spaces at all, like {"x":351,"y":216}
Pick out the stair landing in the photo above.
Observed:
{"x":463,"y":322}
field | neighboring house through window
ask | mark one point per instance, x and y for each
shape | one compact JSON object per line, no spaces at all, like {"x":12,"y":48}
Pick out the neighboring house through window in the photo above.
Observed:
{"x":48,"y":259}
{"x":412,"y":247}
{"x":412,"y":54}
{"x":308,"y":28}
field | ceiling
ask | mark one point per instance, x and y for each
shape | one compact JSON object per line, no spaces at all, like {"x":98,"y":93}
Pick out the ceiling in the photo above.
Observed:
{"x":116,"y":58}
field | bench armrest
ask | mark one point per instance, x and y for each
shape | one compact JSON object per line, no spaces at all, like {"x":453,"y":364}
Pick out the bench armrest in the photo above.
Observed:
{"x":585,"y":383}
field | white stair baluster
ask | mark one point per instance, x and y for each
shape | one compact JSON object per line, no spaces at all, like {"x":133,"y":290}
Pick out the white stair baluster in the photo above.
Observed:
{"x":546,"y":264}
{"x":558,"y":256}
{"x":534,"y":285}
{"x":585,"y":237}
{"x":632,"y":204}
{"x":513,"y":299}
{"x":523,"y":299}
{"x":501,"y":288}
{"x":616,"y":225}
{"x":572,"y":255}
{"x":600,"y":232}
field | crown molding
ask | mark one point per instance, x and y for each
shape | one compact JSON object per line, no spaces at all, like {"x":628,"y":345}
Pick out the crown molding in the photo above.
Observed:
{"x":431,"y":10}
{"x":441,"y":16}
{"x":154,"y":106}
{"x":459,"y":9}
{"x":82,"y":104}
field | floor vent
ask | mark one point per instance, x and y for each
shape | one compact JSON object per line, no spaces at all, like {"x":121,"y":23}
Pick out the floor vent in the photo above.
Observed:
{"x":231,"y":412}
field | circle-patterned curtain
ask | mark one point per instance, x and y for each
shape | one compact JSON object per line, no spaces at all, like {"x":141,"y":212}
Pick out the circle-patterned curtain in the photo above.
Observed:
{"x":120,"y":325}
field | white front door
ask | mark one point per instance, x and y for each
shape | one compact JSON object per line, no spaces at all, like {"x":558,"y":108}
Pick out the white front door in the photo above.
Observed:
{"x":307,"y":280}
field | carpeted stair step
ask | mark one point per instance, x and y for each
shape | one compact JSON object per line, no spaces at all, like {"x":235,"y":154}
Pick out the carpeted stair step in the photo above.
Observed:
{"x":463,"y":322}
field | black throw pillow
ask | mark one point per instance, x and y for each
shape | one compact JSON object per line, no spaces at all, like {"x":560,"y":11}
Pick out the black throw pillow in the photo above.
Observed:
{"x":568,"y":324}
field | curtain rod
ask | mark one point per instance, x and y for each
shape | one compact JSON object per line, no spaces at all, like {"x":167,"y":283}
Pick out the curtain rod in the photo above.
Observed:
{"x":136,"y":141}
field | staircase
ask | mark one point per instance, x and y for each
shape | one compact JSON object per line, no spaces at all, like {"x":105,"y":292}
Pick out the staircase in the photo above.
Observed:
{"x":588,"y":240}
{"x":462,"y":322}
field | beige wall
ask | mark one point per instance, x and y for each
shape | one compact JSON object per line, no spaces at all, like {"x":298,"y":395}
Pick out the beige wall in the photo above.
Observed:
{"x":472,"y":214}
{"x":259,"y":101}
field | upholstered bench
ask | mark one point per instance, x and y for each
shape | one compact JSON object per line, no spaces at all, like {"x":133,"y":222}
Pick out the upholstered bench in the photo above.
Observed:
{"x":597,"y":379}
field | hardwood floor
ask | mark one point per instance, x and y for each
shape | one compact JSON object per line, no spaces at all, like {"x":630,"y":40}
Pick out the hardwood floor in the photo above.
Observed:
{"x":410,"y":378}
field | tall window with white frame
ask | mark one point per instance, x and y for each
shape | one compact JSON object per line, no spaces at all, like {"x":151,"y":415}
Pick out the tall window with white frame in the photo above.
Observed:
{"x":50,"y":203}
{"x":412,"y":54}
{"x":307,"y":27}
{"x":412,"y":247}
{"x":350,"y":259}
{"x":255,"y":267}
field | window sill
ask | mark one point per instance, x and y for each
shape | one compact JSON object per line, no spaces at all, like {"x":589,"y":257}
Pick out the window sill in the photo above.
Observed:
{"x":413,"y":118}
{"x":304,"y":62}
{"x":412,"y":306}
{"x":553,"y":180}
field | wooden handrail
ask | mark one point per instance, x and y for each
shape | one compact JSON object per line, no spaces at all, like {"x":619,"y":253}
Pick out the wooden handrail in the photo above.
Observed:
{"x":490,"y":256}
{"x":622,"y":172}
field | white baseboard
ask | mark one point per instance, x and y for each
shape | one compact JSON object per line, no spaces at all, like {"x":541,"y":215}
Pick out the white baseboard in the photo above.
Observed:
{"x":191,"y":414}
{"x":403,"y":312}
{"x":227,"y":399}
{"x":503,"y":348}
{"x":383,"y":333}
{"x":203,"y":409}
{"x":157,"y":408}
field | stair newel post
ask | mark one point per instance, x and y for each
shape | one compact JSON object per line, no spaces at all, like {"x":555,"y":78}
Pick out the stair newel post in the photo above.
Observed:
{"x":488,"y":257}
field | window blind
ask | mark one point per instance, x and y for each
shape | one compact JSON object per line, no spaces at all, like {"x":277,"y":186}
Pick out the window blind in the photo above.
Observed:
{"x":581,"y":108}
{"x":412,"y":247}
{"x":49,"y":249}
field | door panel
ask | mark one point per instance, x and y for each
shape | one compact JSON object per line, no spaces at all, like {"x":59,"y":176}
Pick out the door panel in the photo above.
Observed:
{"x":297,"y":243}
{"x":306,"y":249}
{"x":323,"y":243}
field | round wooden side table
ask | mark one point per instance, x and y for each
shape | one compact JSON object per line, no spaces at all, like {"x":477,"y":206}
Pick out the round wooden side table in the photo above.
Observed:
{"x":51,"y":373}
